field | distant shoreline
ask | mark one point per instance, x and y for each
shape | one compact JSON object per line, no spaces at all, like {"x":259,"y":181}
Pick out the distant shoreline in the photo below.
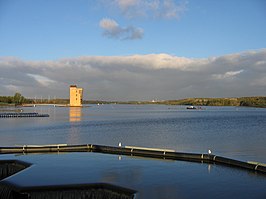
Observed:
{"x":259,"y":102}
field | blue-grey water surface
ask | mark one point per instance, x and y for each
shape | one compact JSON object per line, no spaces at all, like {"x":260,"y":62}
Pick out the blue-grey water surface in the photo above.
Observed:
{"x":234,"y":132}
{"x":229,"y":131}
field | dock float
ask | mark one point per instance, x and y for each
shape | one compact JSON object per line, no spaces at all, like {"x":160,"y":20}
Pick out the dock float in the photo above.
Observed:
{"x":11,"y":115}
{"x":137,"y":151}
{"x":10,"y":167}
{"x":96,"y":190}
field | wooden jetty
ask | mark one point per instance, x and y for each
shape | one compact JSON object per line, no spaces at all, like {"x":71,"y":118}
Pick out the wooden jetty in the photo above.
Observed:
{"x":8,"y":115}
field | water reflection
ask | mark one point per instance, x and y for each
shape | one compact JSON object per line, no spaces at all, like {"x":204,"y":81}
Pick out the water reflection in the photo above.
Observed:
{"x":151,"y":178}
{"x":75,"y":114}
{"x":227,"y":132}
{"x":209,"y":168}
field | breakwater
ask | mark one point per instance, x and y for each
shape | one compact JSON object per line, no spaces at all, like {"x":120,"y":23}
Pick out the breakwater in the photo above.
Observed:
{"x":11,"y":115}
{"x":137,"y":151}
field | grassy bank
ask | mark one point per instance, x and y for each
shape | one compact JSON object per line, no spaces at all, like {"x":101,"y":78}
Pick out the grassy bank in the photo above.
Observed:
{"x":242,"y":101}
{"x":258,"y":101}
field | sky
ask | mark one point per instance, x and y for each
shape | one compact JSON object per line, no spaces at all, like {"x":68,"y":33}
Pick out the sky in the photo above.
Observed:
{"x":133,"y":49}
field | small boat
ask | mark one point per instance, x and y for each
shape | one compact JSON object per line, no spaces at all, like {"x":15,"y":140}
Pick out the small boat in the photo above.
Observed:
{"x":191,"y":107}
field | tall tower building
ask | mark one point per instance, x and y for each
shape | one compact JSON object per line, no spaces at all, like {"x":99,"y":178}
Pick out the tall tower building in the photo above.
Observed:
{"x":75,"y":95}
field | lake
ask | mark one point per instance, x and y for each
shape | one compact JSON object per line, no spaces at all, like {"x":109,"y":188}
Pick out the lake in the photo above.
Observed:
{"x":234,"y":132}
{"x":228,"y":131}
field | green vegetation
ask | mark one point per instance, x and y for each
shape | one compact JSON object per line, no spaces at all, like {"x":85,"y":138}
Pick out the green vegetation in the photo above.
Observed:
{"x":242,"y":101}
{"x":17,"y":99}
{"x":252,"y":101}
{"x":205,"y":102}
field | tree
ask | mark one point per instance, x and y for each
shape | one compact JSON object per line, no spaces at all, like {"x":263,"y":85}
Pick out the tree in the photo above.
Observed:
{"x":18,"y":98}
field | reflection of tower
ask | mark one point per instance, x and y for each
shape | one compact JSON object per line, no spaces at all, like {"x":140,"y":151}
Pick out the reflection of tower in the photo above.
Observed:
{"x":75,"y":95}
{"x":74,"y":114}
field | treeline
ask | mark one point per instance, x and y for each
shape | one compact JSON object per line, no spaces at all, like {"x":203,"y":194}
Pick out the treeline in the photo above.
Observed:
{"x":17,"y":99}
{"x":205,"y":102}
{"x":242,"y":101}
{"x":253,"y":101}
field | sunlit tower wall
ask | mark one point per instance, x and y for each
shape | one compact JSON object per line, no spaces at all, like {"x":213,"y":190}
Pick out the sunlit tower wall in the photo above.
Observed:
{"x":75,"y":96}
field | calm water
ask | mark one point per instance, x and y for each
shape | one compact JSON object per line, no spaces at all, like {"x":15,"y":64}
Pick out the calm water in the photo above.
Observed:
{"x":238,"y":133}
{"x":228,"y":131}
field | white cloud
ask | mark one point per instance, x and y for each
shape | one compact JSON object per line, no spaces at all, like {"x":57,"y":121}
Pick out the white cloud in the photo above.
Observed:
{"x":227,"y":75}
{"x":261,"y":62}
{"x":109,"y":24}
{"x":148,"y":9}
{"x":171,"y":10}
{"x":137,"y":77}
{"x":126,"y":4}
{"x":166,"y":9}
{"x":113,"y":30}
{"x":41,"y":79}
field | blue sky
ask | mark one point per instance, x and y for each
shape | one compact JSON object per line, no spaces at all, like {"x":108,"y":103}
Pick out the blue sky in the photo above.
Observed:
{"x":54,"y":29}
{"x":133,"y":49}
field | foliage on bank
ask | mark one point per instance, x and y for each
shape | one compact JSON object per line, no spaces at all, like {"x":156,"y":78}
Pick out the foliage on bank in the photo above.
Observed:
{"x":242,"y":101}
{"x":17,"y":99}
{"x":253,"y":101}
{"x":259,"y":101}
